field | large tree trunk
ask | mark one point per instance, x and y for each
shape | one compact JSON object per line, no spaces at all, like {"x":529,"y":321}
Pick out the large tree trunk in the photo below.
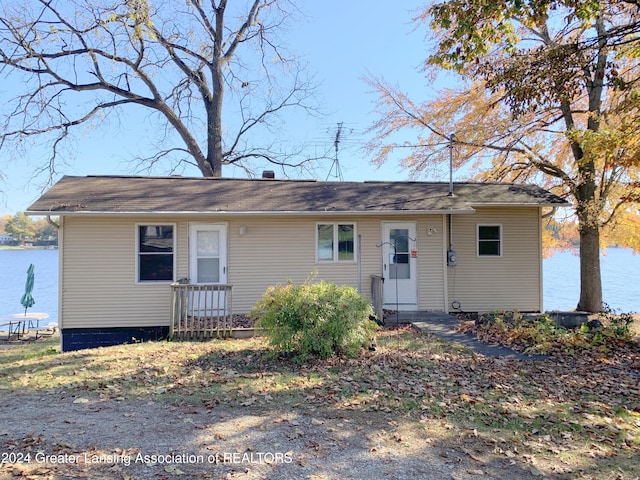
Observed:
{"x":588,"y":211}
{"x":589,"y":207}
{"x":214,"y":134}
{"x":590,"y":279}
{"x":214,"y":101}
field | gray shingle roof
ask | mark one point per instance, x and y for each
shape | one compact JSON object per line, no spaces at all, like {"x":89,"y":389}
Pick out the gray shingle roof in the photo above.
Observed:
{"x":122,"y":194}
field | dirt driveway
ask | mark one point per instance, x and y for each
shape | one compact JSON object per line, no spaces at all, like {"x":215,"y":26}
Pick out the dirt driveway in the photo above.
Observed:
{"x":59,"y":436}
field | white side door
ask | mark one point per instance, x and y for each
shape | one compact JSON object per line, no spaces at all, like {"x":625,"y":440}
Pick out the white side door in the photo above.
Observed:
{"x":399,"y":266}
{"x":208,"y":263}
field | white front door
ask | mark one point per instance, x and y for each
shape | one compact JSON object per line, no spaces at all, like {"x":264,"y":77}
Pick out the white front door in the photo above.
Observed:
{"x":399,"y":266}
{"x":208,"y":262}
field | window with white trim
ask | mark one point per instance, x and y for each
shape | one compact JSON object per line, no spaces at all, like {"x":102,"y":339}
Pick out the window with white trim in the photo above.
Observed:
{"x":155,"y":253}
{"x":335,"y":242}
{"x":489,"y":240}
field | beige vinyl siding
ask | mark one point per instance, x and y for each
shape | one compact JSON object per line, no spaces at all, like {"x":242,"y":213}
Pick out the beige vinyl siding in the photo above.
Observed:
{"x":99,"y":286}
{"x":281,"y":249}
{"x":371,"y":231}
{"x":272,"y":251}
{"x":98,"y":263}
{"x":182,"y":250}
{"x":509,"y":282}
{"x":431,"y":263}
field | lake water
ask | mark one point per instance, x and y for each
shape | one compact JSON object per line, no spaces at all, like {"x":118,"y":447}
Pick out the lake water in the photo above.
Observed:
{"x":620,"y":270}
{"x":620,"y":281}
{"x":13,"y":275}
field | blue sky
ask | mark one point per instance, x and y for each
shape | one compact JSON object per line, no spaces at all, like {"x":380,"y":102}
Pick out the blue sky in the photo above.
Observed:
{"x":341,"y":41}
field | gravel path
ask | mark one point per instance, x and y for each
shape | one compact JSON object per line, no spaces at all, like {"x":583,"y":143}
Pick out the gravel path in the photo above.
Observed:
{"x":60,"y":436}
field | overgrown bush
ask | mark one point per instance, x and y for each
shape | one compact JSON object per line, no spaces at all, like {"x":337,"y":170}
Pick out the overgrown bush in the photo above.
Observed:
{"x":315,"y":319}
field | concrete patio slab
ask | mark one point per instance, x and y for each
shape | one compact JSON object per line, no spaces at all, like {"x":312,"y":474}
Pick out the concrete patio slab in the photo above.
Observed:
{"x":443,"y":325}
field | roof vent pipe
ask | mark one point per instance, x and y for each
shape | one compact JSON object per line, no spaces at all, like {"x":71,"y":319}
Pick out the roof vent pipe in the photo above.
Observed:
{"x":451,"y":137}
{"x":268,"y":174}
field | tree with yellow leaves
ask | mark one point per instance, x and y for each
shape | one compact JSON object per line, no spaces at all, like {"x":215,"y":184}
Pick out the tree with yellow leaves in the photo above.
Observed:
{"x":549,"y":95}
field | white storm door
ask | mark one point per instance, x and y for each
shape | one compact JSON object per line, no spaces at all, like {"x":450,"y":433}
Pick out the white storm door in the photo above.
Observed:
{"x":208,"y":263}
{"x":399,"y":266}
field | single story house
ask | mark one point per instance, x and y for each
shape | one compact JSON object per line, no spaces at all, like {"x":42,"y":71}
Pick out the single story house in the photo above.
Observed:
{"x":439,"y":247}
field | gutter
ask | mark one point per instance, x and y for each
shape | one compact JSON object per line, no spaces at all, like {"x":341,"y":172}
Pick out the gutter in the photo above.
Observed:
{"x":255,"y":213}
{"x":520,"y":204}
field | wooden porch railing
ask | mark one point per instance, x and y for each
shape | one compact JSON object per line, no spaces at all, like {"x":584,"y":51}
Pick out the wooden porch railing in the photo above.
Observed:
{"x":200,"y":311}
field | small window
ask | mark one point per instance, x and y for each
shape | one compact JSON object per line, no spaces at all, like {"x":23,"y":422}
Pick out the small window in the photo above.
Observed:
{"x":335,"y":242}
{"x":489,"y":240}
{"x":155,"y":251}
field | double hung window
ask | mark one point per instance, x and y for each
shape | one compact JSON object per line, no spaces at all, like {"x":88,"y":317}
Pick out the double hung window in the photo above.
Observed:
{"x":335,"y":242}
{"x":155,"y":253}
{"x":489,"y":240}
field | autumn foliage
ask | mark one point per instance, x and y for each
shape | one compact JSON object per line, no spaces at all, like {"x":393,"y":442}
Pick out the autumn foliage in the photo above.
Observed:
{"x":544,"y":336}
{"x":536,"y":92}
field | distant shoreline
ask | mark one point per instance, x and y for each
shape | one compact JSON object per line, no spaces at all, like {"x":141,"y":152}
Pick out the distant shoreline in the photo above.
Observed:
{"x":35,"y":247}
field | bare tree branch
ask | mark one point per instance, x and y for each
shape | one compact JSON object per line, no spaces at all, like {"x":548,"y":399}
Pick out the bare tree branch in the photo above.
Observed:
{"x":181,"y":60}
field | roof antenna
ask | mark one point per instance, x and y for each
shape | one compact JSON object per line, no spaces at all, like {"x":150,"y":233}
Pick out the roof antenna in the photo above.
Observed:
{"x":336,"y":162}
{"x":450,"y":147}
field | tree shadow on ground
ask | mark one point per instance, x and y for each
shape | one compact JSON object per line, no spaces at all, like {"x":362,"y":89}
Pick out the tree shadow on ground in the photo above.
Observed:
{"x":414,"y":405}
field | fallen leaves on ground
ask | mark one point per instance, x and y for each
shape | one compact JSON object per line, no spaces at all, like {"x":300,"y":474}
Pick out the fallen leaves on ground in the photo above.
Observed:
{"x":580,"y":408}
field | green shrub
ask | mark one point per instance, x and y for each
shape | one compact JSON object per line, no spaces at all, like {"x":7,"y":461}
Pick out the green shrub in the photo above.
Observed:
{"x":619,"y":323}
{"x":315,"y":319}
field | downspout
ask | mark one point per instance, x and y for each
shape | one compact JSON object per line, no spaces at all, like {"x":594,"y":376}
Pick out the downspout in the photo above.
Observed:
{"x":541,"y":252}
{"x":60,"y":275}
{"x":541,"y":257}
{"x":51,"y":222}
{"x":360,"y":264}
{"x":60,"y":250}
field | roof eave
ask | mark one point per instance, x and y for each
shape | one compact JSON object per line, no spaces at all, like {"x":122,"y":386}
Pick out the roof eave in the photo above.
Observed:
{"x":247,"y":213}
{"x":520,"y":204}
